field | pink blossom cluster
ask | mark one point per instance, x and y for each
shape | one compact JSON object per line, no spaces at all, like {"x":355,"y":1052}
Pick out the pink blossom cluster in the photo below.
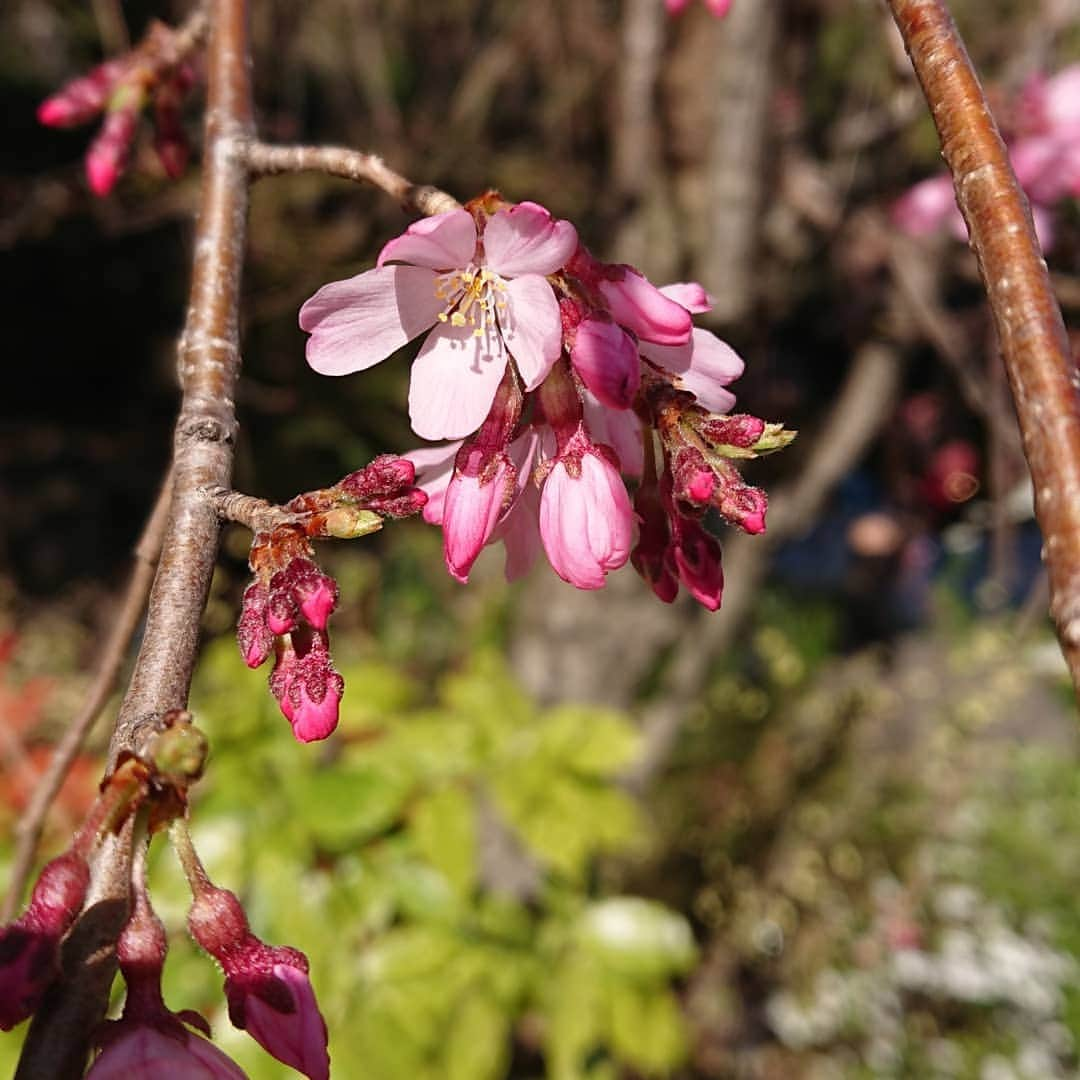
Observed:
{"x":286,"y":608}
{"x":1044,"y":148}
{"x":546,"y":367}
{"x":119,"y":90}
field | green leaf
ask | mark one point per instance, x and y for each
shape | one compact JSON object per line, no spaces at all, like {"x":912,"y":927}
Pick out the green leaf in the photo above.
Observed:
{"x":477,"y":1045}
{"x":590,"y":741}
{"x":443,"y":830}
{"x":343,"y":806}
{"x":647,"y":1029}
{"x":574,"y":1001}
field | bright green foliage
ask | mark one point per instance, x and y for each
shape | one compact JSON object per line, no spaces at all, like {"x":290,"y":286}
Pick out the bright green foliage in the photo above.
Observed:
{"x":435,"y":864}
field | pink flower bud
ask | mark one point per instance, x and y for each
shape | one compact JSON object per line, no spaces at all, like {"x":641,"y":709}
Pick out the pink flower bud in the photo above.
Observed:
{"x":693,"y":479}
{"x":315,"y":592}
{"x":81,"y":99}
{"x":282,"y":611}
{"x":607,"y":360}
{"x":386,"y":475}
{"x":255,"y":638}
{"x":29,"y":947}
{"x":107,"y":157}
{"x":741,"y":430}
{"x":651,"y":557}
{"x":639,"y":305}
{"x":697,"y":558}
{"x":307,"y":687}
{"x":147,"y":1051}
{"x":585,"y":518}
{"x":739,"y":503}
{"x":267,"y":987}
{"x":475,"y":499}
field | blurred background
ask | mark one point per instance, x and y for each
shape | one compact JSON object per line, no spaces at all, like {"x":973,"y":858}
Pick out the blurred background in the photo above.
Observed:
{"x":832,"y":831}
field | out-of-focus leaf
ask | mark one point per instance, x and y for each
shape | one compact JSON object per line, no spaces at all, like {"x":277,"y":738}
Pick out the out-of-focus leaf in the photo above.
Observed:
{"x":477,"y":1044}
{"x":591,"y":741}
{"x":341,"y":807}
{"x":647,"y":1030}
{"x":443,"y":829}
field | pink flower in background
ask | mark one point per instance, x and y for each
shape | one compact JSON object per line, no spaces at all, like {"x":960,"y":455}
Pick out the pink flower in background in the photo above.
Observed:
{"x":719,"y":8}
{"x":1045,"y":153}
{"x":481,"y":290}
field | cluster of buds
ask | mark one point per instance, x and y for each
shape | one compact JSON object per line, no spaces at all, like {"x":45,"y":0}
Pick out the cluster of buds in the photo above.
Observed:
{"x":698,"y":451}
{"x":286,"y":609}
{"x":550,"y":369}
{"x":267,"y":989}
{"x":155,"y":73}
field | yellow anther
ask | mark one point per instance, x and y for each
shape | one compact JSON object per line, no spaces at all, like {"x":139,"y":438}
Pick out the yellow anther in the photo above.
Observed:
{"x":457,"y":319}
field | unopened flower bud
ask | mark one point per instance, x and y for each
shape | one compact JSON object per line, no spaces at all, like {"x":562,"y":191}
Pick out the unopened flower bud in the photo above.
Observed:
{"x":349,"y":522}
{"x":739,"y":503}
{"x":29,"y":947}
{"x":256,"y":639}
{"x":107,"y":157}
{"x":740,"y":430}
{"x":307,"y":687}
{"x":81,"y":99}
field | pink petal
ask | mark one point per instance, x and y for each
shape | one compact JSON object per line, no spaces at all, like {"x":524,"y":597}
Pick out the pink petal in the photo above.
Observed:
{"x":434,"y":467}
{"x":676,"y":7}
{"x":640,"y":306}
{"x":704,"y":367}
{"x":526,"y":239}
{"x":314,"y":720}
{"x":454,"y":379}
{"x":1039,"y":162}
{"x":618,"y":428}
{"x":531,"y":327}
{"x":441,"y":242}
{"x":297,"y":1038}
{"x":1045,"y":226}
{"x":718,"y":8}
{"x":356,"y":323}
{"x":607,"y":360}
{"x":520,"y":533}
{"x":690,"y":295}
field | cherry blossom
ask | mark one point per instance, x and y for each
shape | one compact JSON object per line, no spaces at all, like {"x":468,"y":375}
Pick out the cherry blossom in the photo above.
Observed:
{"x":478,"y":283}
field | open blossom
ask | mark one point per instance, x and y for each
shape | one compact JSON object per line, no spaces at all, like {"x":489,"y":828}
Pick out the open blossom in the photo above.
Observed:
{"x":478,"y":284}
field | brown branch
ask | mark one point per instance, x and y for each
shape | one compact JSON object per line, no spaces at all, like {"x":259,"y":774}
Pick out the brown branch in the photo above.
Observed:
{"x":28,"y":828}
{"x":255,"y":514}
{"x":209,"y":361}
{"x":266,"y":160}
{"x":1030,"y":331}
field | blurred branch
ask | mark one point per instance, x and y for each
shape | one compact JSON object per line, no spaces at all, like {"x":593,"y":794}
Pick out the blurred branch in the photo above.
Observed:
{"x":736,"y":164}
{"x":58,"y":1042}
{"x":28,"y":829}
{"x":265,"y":160}
{"x":865,"y":402}
{"x":634,"y":132}
{"x":1033,"y":341}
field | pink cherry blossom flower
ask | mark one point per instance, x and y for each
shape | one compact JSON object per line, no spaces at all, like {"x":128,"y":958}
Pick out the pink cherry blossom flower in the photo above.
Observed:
{"x":606,"y":358}
{"x":482,"y":290}
{"x":585,"y":516}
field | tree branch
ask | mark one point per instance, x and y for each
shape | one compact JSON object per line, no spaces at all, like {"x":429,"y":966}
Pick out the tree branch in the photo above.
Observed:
{"x":265,"y":160}
{"x":209,"y":361}
{"x":1042,"y":374}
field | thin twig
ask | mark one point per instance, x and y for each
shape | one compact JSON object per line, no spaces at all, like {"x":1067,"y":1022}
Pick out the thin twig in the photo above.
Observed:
{"x":266,"y":160}
{"x":58,"y":1042}
{"x":258,"y":515}
{"x":1034,"y":345}
{"x":28,"y":828}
